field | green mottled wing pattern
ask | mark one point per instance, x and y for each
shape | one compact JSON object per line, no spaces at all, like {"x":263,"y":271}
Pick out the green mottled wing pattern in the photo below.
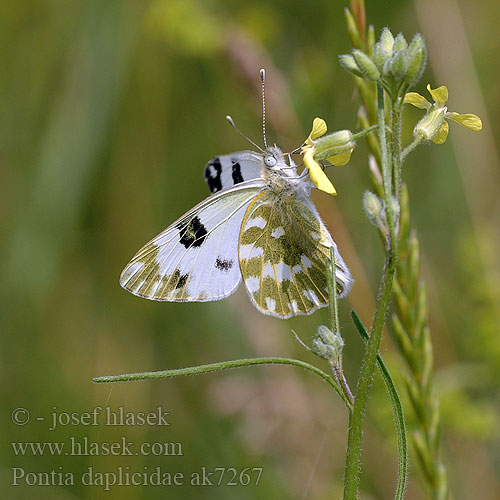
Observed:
{"x":282,"y":250}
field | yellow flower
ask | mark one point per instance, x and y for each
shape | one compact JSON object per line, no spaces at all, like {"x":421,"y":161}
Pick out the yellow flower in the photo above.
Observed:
{"x":335,"y":148}
{"x":319,"y":129}
{"x":433,"y":126}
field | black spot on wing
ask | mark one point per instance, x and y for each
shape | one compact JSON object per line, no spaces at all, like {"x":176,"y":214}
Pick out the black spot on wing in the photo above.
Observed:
{"x":182,"y":281}
{"x":213,"y":172}
{"x":192,"y":232}
{"x":223,"y":264}
{"x":236,"y":172}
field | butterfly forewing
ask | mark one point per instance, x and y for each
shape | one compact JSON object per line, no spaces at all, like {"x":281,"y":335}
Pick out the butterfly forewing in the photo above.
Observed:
{"x":196,"y":258}
{"x":226,"y":171}
{"x":283,"y":247}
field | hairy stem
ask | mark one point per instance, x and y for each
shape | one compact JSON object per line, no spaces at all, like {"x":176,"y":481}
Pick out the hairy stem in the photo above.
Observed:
{"x":224,"y":365}
{"x":408,"y":149}
{"x":332,"y":292}
{"x":339,"y":375}
{"x":397,"y":409}
{"x":353,"y":458}
{"x":396,"y":110}
{"x":334,"y":324}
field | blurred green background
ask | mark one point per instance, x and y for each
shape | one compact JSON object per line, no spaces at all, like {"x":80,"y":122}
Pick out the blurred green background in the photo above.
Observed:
{"x":109,"y":111}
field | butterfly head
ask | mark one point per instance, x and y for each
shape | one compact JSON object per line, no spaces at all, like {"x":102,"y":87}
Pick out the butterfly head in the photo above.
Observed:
{"x":272,"y":156}
{"x":275,"y":161}
{"x":282,"y":173}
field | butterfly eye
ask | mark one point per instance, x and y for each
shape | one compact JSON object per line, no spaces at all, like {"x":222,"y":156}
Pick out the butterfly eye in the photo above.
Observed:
{"x":270,"y":161}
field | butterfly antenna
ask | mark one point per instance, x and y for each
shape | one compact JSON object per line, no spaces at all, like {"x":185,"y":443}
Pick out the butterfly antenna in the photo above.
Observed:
{"x":263,"y":78}
{"x":231,"y":121}
{"x":296,"y":150}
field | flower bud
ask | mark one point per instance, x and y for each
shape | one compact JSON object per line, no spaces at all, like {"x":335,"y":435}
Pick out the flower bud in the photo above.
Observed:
{"x":370,"y":36}
{"x":328,"y":345}
{"x":379,"y":56}
{"x":399,"y":64}
{"x":366,"y":65}
{"x":348,"y":63}
{"x":374,"y":208}
{"x":387,"y":67}
{"x":418,"y":42}
{"x":321,"y":349}
{"x":387,"y":40}
{"x":417,"y":59}
{"x":400,"y":43}
{"x":325,"y":334}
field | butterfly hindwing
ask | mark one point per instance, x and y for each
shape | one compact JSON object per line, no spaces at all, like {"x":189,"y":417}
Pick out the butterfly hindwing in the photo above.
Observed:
{"x":343,"y":276}
{"x":226,"y":171}
{"x":195,"y":258}
{"x":283,"y":247}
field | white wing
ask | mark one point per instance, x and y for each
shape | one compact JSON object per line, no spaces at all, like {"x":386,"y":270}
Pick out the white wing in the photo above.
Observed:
{"x":196,"y":257}
{"x":226,"y":171}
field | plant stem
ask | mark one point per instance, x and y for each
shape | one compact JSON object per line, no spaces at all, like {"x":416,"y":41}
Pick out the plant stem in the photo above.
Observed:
{"x":353,"y":458}
{"x":364,"y":132}
{"x":384,"y":158}
{"x":408,"y":149}
{"x":224,"y":365}
{"x":396,"y":110}
{"x":334,"y":324}
{"x":332,"y":292}
{"x":397,"y":409}
{"x":339,"y":375}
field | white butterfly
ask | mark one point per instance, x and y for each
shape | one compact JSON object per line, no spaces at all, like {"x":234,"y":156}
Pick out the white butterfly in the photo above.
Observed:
{"x":259,"y":226}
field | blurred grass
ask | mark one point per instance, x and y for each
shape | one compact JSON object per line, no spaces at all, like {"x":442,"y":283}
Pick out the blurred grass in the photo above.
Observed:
{"x":108,"y":113}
